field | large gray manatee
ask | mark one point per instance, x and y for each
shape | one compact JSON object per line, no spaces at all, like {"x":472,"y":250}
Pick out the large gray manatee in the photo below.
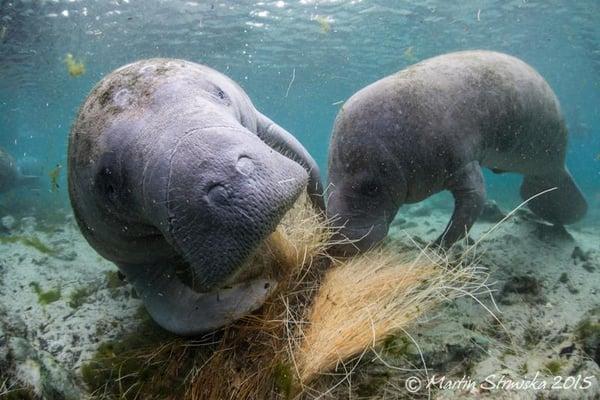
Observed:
{"x":172,"y":169}
{"x":431,"y":127}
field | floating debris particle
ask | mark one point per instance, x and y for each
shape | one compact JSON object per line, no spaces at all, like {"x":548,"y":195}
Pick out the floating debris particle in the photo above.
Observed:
{"x":409,"y":55}
{"x":291,"y":82}
{"x":54,"y":174}
{"x":324,"y":22}
{"x":74,"y":67}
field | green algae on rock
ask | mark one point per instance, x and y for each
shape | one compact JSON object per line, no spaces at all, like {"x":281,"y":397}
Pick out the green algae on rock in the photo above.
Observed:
{"x":46,"y":297}
{"x":30,"y":241}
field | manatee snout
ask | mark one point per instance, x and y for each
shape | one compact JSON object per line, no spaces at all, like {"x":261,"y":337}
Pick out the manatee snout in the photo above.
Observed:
{"x":227,"y":191}
{"x":361,"y":217}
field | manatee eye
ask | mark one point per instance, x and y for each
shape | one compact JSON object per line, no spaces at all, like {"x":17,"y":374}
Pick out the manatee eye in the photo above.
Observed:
{"x":219,"y":95}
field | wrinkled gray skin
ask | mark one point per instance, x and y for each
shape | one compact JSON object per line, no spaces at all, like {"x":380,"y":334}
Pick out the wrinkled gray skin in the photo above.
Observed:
{"x":10,"y":175}
{"x":431,"y":127}
{"x":171,"y":168}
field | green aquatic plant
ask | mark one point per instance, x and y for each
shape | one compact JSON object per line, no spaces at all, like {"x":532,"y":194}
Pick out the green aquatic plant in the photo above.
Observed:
{"x":79,"y":296}
{"x":54,"y":175}
{"x":30,"y":241}
{"x":113,"y":282}
{"x":12,"y":392}
{"x":139,"y":365}
{"x":532,"y":334}
{"x":523,"y":368}
{"x":587,"y":333}
{"x":553,"y":367}
{"x":587,"y":328}
{"x":75,"y":67}
{"x":45,"y":297}
{"x":323,"y":22}
{"x":397,"y":346}
{"x":409,"y":55}
{"x":37,"y":244}
{"x":284,"y":379}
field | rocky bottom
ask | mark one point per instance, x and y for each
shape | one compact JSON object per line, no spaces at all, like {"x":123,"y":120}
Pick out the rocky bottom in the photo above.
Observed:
{"x":535,"y":335}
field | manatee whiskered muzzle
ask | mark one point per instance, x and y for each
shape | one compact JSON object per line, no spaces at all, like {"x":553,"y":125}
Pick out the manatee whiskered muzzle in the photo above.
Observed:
{"x":217,"y":264}
{"x":348,"y":240}
{"x":217,"y":220}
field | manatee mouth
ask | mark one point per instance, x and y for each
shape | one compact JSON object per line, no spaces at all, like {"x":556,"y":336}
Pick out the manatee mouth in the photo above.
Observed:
{"x":351,"y":240}
{"x":175,"y":306}
{"x":231,"y":302}
{"x":223,"y":205}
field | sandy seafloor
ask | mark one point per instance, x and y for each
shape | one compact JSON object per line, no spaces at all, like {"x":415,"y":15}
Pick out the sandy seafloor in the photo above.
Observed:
{"x":545,"y":282}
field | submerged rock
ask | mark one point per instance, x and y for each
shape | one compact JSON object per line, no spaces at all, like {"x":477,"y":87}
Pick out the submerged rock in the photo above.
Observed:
{"x":443,"y":347}
{"x":580,"y":255}
{"x":523,"y":287}
{"x":28,"y":225}
{"x":8,"y":222}
{"x":31,"y":371}
{"x":552,"y":233}
{"x":39,"y":371}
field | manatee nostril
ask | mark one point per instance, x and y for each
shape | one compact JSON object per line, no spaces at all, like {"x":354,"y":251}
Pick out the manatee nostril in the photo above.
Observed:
{"x":267,"y":286}
{"x":244,"y":165}
{"x":218,"y":194}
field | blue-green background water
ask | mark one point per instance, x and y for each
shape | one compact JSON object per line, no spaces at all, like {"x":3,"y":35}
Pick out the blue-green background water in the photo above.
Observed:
{"x":331,"y":49}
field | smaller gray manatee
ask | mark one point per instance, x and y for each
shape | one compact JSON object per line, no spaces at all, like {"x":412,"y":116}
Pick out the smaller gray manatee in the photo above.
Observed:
{"x":176,"y":177}
{"x":11,"y":176}
{"x":431,"y":127}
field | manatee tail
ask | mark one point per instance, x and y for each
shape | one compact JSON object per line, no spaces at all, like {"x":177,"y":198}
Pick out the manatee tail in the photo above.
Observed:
{"x":29,"y":181}
{"x":563,"y":205}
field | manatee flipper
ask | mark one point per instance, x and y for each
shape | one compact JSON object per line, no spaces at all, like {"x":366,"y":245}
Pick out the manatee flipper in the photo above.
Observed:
{"x":285,"y":143}
{"x":468,"y":189}
{"x":563,"y":205}
{"x":183,"y":311}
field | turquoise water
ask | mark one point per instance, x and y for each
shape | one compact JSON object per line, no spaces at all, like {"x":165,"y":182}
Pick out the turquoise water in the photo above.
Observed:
{"x":296,"y":59}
